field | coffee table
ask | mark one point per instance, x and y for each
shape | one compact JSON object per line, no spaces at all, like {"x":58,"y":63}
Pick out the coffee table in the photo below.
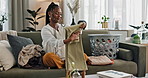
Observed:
{"x":95,"y":76}
{"x":88,"y":76}
{"x":92,"y":76}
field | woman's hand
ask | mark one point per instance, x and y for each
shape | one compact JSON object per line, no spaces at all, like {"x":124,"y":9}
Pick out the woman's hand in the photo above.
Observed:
{"x":83,"y":26}
{"x":74,"y":36}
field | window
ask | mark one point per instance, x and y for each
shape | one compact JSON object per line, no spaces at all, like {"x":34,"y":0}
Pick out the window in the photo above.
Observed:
{"x":126,"y":11}
{"x":4,"y":9}
{"x":93,"y":10}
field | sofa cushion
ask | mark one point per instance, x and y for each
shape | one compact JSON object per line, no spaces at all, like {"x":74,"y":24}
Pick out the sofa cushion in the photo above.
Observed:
{"x":17,"y":43}
{"x":125,"y":54}
{"x":119,"y":65}
{"x":3,"y":34}
{"x":6,"y":57}
{"x":33,"y":73}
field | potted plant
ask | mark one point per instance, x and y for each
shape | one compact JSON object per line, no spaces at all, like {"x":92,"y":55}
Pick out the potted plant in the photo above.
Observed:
{"x":73,"y":7}
{"x":33,"y":20}
{"x":3,"y":19}
{"x":104,"y":21}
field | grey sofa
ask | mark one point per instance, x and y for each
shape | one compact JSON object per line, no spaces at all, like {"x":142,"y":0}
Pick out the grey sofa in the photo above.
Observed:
{"x":136,"y":65}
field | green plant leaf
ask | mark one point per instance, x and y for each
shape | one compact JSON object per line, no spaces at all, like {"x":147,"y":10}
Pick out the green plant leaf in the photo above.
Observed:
{"x":31,"y":23}
{"x":38,"y":10}
{"x":102,"y":18}
{"x":99,"y":22}
{"x":34,"y":14}
{"x":105,"y":19}
{"x":29,"y":19}
{"x":29,"y":11}
{"x":40,"y":17}
{"x":36,"y":23}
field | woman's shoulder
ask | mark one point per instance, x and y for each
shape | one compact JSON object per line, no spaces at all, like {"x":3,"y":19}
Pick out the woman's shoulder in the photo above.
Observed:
{"x":46,"y":27}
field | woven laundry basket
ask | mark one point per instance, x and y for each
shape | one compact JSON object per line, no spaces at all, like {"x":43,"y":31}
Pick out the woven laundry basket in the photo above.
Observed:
{"x":104,"y":44}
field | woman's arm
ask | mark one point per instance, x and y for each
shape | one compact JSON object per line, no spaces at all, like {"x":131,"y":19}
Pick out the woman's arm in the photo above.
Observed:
{"x":49,"y":38}
{"x":74,"y":36}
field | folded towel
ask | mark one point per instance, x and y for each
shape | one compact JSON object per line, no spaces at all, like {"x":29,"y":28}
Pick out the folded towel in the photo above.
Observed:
{"x":100,"y":60}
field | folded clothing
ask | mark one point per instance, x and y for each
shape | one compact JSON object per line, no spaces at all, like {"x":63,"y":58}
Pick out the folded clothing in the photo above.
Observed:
{"x":100,"y":60}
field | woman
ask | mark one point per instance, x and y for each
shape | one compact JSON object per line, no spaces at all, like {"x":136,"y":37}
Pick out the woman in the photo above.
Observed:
{"x":53,"y":35}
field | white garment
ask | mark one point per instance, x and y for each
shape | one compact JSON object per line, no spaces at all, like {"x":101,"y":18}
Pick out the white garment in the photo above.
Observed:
{"x":53,"y":40}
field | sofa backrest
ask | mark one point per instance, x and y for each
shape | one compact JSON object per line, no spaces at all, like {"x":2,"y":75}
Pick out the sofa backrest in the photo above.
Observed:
{"x":85,"y":39}
{"x":34,"y":36}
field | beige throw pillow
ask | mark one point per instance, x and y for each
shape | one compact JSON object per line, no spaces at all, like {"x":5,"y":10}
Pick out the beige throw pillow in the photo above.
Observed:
{"x":6,"y":58}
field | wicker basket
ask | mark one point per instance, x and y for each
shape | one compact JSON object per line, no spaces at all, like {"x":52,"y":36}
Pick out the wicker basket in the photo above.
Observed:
{"x":104,"y":44}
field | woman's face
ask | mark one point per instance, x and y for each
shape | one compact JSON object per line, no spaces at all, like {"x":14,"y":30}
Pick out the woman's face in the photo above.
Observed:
{"x":55,"y":15}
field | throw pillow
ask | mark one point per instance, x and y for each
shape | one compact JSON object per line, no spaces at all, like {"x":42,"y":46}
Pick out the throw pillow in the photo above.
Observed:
{"x":6,"y":57}
{"x":17,"y":43}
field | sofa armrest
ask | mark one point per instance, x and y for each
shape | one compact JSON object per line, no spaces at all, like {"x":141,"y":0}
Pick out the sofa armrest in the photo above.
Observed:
{"x":139,"y":56}
{"x":125,"y":54}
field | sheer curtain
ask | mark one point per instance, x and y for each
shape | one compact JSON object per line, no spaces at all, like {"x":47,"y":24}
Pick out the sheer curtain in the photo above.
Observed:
{"x":16,"y":13}
{"x":145,"y":10}
{"x":128,"y":12}
{"x":4,"y":9}
{"x":17,"y":10}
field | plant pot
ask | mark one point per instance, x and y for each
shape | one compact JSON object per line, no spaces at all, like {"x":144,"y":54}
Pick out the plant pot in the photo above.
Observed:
{"x":136,"y":41}
{"x":104,"y":24}
{"x":1,"y":27}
